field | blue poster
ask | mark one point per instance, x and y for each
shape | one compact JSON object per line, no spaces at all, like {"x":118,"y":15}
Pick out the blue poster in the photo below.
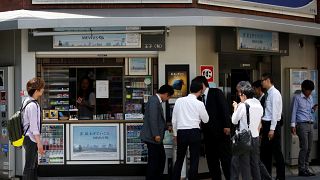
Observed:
{"x":95,"y":143}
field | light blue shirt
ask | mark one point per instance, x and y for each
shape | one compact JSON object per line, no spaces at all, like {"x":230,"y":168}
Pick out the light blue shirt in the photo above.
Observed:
{"x":273,"y":107}
{"x":301,"y":109}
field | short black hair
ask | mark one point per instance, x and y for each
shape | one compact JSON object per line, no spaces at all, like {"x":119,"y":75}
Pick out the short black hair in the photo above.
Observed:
{"x":166,"y":89}
{"x":258,"y":84}
{"x":195,"y":86}
{"x":268,"y":76}
{"x":202,"y":79}
{"x":307,"y":85}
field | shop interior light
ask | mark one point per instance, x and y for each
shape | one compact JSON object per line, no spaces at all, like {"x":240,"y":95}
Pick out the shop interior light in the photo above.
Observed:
{"x":65,"y":33}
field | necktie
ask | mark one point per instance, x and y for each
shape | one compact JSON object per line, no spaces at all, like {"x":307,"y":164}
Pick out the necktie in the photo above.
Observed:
{"x":203,"y":99}
{"x":265,"y":103}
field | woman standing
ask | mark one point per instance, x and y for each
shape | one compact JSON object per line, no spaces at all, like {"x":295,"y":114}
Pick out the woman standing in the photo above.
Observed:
{"x":251,"y":158}
{"x":86,"y":99}
{"x":32,"y":126}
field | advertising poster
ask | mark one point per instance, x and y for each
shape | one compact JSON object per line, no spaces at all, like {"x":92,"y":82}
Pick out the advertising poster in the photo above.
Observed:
{"x":138,"y":66}
{"x":178,"y":77}
{"x":90,"y":142}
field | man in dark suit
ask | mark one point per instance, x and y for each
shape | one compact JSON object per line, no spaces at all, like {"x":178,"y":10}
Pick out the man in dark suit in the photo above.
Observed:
{"x":217,"y":131}
{"x":153,"y":130}
{"x":259,"y":91}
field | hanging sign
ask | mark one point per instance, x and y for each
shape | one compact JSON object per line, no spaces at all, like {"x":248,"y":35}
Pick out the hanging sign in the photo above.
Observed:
{"x":208,"y":72}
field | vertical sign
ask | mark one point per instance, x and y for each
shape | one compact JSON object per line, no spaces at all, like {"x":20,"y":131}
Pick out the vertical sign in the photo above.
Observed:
{"x":208,"y":72}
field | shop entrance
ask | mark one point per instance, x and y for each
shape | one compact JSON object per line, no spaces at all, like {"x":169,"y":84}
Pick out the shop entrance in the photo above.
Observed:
{"x":234,"y":68}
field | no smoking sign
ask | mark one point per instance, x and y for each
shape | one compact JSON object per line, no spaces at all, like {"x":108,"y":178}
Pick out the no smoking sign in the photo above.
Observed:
{"x":207,"y":71}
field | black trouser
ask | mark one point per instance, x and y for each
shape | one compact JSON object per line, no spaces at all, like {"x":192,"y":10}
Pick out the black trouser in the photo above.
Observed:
{"x":156,"y":161}
{"x":255,"y":159}
{"x":218,"y":149}
{"x":187,"y":138}
{"x":272,"y":147}
{"x":31,"y":163}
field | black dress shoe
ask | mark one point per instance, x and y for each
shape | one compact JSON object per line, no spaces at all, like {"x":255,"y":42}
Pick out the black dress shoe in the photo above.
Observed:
{"x":310,"y":173}
{"x":303,"y":173}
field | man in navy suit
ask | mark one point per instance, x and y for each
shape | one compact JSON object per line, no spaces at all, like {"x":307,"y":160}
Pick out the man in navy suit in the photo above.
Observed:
{"x":153,"y":130}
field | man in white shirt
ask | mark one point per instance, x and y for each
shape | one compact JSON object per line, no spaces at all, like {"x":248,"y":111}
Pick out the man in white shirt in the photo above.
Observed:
{"x":271,"y":128}
{"x":188,"y":112}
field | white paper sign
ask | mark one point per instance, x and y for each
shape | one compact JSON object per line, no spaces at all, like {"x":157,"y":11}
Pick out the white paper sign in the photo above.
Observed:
{"x":102,"y":88}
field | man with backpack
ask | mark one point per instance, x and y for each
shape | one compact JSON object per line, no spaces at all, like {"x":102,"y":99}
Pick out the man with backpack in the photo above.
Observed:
{"x":32,"y":127}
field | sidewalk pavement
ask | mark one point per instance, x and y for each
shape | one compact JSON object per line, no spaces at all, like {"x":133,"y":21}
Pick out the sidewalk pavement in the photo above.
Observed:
{"x":291,"y":174}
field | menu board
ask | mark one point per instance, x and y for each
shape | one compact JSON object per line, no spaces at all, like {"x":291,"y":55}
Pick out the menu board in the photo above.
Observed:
{"x":136,"y":150}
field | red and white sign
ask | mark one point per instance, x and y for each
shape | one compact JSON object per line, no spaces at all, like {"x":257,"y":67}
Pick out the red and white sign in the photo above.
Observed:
{"x":207,"y":71}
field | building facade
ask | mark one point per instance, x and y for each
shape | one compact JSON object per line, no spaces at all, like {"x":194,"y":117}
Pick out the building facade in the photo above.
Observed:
{"x":129,"y":48}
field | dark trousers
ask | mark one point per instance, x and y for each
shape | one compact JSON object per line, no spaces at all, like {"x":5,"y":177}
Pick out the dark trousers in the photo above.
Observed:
{"x":218,"y":150}
{"x":242,"y":163}
{"x":271,"y":148}
{"x":156,"y":161}
{"x":255,"y":159}
{"x":304,"y":132}
{"x":187,"y":138}
{"x":31,"y":163}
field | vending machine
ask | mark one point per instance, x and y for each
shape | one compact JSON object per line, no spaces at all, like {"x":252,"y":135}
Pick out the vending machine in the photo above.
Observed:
{"x":294,"y":78}
{"x":7,"y":152}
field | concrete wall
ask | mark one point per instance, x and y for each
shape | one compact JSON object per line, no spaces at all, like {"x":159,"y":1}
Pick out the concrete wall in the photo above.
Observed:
{"x":205,"y":50}
{"x":300,"y":57}
{"x":180,"y":49}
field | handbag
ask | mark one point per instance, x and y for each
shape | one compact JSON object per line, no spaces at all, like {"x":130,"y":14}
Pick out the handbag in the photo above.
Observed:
{"x":241,"y":141}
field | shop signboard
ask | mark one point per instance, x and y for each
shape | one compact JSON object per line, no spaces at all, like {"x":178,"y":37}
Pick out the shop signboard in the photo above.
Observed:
{"x":98,"y":41}
{"x":293,"y":7}
{"x":93,"y":39}
{"x":107,"y":1}
{"x":257,"y":40}
{"x":95,"y":142}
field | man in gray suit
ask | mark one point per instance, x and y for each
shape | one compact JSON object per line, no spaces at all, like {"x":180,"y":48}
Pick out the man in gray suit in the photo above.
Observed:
{"x":153,"y":130}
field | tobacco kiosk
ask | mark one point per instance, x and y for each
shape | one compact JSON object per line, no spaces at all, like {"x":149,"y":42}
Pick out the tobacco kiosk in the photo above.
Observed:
{"x":105,"y":142}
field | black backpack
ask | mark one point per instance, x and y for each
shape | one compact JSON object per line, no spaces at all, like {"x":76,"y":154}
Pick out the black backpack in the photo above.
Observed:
{"x":15,"y":126}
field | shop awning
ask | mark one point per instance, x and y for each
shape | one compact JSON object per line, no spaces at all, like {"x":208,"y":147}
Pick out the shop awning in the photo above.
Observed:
{"x":34,"y":19}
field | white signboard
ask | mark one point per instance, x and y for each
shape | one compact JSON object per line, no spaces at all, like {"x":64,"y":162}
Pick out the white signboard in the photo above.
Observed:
{"x":257,"y":40}
{"x":107,"y":1}
{"x":98,"y":41}
{"x":290,"y":7}
{"x":102,"y":88}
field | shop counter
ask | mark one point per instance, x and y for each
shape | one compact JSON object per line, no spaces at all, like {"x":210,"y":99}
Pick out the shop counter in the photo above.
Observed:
{"x":79,"y":142}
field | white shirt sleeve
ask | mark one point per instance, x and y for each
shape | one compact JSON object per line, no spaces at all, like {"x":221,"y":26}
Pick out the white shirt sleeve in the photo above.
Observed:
{"x":276,"y":108}
{"x":238,"y":113}
{"x":174,"y":118}
{"x":203,"y":113}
